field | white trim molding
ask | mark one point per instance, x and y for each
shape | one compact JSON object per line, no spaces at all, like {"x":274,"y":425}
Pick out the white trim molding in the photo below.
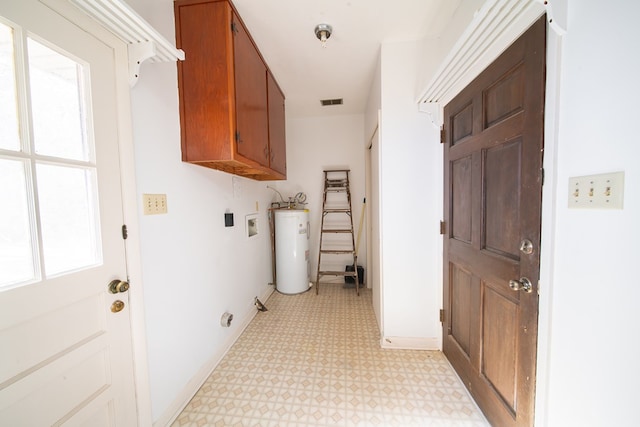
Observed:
{"x":143,"y":41}
{"x":411,"y":343}
{"x":496,"y":25}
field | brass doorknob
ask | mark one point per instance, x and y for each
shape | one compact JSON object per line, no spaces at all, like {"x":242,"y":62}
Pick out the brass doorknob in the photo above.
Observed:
{"x":118,"y":286}
{"x":117,"y":306}
{"x":523,"y":284}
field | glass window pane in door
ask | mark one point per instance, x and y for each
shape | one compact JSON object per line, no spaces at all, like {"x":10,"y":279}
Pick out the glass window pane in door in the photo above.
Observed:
{"x":9,"y":136}
{"x":57,"y":102}
{"x":68,"y":215}
{"x":16,"y":253}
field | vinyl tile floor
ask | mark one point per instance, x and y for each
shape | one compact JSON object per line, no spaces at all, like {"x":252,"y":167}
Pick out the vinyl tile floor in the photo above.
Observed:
{"x":316,"y":360}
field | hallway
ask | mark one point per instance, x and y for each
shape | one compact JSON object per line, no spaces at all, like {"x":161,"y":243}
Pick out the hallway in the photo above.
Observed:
{"x":315,"y":360}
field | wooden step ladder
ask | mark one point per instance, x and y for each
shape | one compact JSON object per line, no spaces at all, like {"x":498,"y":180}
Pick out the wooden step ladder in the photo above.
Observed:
{"x":338,"y":204}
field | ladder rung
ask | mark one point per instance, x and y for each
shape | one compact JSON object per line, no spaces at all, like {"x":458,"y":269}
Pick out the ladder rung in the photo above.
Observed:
{"x":337,"y":231}
{"x":338,"y":273}
{"x":337,"y":210}
{"x":336,"y":251}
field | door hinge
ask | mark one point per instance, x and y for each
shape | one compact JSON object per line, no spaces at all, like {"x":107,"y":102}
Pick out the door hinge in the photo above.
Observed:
{"x":441,"y":316}
{"x":542,"y":176}
{"x":442,"y":135}
{"x":238,"y":136}
{"x":234,"y":28}
{"x":125,"y":232}
{"x":443,"y":227}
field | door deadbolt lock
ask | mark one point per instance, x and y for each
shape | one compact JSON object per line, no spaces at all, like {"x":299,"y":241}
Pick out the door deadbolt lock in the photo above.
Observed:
{"x":523,"y":284}
{"x":526,"y":246}
{"x":117,"y":306}
{"x":118,"y":286}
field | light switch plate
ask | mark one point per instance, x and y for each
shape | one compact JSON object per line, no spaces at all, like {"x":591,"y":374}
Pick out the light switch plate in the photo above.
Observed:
{"x":154,"y":204}
{"x":603,"y":191}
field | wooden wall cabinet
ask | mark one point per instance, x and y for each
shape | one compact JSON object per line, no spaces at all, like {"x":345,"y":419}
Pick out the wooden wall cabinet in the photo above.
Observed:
{"x":232,"y":115}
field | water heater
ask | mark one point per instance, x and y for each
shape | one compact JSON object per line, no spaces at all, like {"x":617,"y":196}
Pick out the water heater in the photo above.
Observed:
{"x":292,"y":251}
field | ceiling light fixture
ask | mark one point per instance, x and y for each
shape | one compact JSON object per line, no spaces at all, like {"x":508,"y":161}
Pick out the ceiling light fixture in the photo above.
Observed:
{"x":323,"y":32}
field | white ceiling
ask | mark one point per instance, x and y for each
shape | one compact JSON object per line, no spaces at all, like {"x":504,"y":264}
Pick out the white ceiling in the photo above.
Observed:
{"x":306,"y":72}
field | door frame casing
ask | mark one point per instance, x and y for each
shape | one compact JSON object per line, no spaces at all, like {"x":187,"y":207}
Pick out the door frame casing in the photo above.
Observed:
{"x":373,"y":279}
{"x":129,"y":199}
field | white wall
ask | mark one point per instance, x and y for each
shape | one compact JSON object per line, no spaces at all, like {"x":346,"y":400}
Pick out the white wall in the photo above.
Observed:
{"x":315,"y":144}
{"x":194,"y":269}
{"x":374,"y":101}
{"x":593,"y":322}
{"x":411,"y":171}
{"x":411,"y":185}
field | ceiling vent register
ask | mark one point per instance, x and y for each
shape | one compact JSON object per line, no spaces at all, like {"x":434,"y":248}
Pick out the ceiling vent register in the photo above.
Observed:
{"x":328,"y":102}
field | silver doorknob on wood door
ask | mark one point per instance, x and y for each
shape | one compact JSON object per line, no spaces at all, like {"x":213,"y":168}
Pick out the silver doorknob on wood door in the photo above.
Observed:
{"x":523,"y":284}
{"x":526,"y":246}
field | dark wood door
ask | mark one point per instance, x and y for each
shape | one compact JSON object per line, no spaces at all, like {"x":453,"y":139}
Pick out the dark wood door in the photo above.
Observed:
{"x":251,"y":97}
{"x":493,"y":186}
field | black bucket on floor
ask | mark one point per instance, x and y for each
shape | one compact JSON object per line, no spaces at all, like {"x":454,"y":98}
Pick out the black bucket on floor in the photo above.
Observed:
{"x":349,"y":282}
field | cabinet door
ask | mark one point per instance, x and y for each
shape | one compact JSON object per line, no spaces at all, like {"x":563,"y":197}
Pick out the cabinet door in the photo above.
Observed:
{"x":277,"y":142}
{"x":251,"y":98}
{"x":205,"y":81}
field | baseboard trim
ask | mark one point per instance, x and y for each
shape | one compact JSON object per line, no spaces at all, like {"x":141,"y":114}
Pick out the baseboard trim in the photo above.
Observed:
{"x":410,"y":343}
{"x":192,"y":387}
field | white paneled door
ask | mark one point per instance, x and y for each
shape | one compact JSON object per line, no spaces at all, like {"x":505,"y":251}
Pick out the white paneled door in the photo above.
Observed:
{"x":65,"y":338}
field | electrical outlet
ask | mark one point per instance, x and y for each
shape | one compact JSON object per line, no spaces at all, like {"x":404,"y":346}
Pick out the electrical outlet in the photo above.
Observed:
{"x":604,"y":191}
{"x":154,"y":204}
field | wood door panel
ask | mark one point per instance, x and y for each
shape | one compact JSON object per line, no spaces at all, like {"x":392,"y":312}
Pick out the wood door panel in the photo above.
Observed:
{"x":505,"y":130}
{"x":69,"y":380}
{"x":462,"y":124}
{"x":500,"y":337}
{"x":505,"y":97}
{"x":485,"y":264}
{"x":501,"y":170}
{"x":461,"y":309}
{"x":461,"y":191}
{"x":492,"y":176}
{"x":80,"y":322}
